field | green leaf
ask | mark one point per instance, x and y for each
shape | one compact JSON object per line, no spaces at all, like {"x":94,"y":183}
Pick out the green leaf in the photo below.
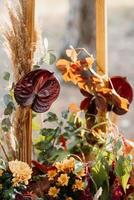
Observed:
{"x":49,"y":58}
{"x":60,"y":155}
{"x":123,"y":169}
{"x":6,"y":124}
{"x":9,"y":109}
{"x":124,"y":181}
{"x":7,"y":99}
{"x":51,"y":117}
{"x":48,"y":131}
{"x":118,"y":145}
{"x":65,"y":114}
{"x":36,"y":67}
{"x":43,"y":145}
{"x":6,"y":76}
{"x":119,"y":168}
{"x":99,"y":173}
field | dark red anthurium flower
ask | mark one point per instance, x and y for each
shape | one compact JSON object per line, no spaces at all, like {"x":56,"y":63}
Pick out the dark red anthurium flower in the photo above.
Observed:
{"x":37,"y":89}
{"x":88,"y":103}
{"x":124,"y":89}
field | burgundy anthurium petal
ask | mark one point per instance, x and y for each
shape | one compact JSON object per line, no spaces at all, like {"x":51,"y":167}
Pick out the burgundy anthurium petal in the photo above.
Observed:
{"x":122,"y":87}
{"x":38,"y":89}
{"x":89,"y":105}
{"x":85,"y":104}
{"x":85,"y":93}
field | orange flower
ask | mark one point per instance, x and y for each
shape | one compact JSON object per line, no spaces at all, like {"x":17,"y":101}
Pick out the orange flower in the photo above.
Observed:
{"x":69,"y":164}
{"x":74,"y":108}
{"x":51,"y":174}
{"x":59,"y":166}
{"x":53,"y":192}
{"x":63,"y":180}
{"x":81,"y":173}
{"x":79,"y":185}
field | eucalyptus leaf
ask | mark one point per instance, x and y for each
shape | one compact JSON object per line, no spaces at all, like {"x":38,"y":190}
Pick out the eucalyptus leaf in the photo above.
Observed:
{"x":51,"y":117}
{"x":6,"y":124}
{"x":48,"y":131}
{"x":7,"y":99}
{"x":6,"y":76}
{"x":9,"y":109}
{"x":36,"y":67}
{"x":65,"y":114}
{"x":49,"y":58}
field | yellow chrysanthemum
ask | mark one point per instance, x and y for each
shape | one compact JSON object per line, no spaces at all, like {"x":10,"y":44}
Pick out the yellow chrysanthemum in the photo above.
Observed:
{"x":53,"y":191}
{"x":51,"y":174}
{"x":81,"y":173}
{"x":63,"y":179}
{"x":1,"y":172}
{"x":59,"y":166}
{"x":21,"y":172}
{"x":69,"y":164}
{"x":79,"y":185}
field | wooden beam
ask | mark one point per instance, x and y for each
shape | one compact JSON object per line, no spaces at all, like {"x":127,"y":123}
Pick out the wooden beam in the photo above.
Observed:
{"x":101,"y":36}
{"x":30,"y":17}
{"x":101,"y":48}
{"x":25,"y":114}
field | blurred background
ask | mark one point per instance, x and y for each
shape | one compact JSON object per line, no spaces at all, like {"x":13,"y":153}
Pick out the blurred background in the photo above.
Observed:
{"x":72,"y":22}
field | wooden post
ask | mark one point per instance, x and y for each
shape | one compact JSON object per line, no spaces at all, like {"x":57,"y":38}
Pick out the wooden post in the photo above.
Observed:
{"x":25,"y":151}
{"x":101,"y":36}
{"x":101,"y":47}
{"x":30,"y":17}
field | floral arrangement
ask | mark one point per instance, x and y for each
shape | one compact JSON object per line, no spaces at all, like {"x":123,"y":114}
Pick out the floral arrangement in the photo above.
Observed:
{"x":82,"y":154}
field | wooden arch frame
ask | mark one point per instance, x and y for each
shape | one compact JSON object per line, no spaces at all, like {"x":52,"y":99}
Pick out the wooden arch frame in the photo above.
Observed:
{"x":101,"y":59}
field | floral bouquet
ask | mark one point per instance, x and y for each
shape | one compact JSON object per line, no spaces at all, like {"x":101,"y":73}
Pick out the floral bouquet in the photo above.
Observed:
{"x":81,"y":155}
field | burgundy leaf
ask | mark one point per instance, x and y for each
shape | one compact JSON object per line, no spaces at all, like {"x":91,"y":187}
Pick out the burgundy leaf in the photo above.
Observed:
{"x":37,"y":89}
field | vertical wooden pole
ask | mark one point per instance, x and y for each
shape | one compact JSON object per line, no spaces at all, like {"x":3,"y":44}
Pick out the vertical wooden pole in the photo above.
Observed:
{"x":26,"y":148}
{"x":101,"y":47}
{"x":101,"y":36}
{"x":31,"y":25}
